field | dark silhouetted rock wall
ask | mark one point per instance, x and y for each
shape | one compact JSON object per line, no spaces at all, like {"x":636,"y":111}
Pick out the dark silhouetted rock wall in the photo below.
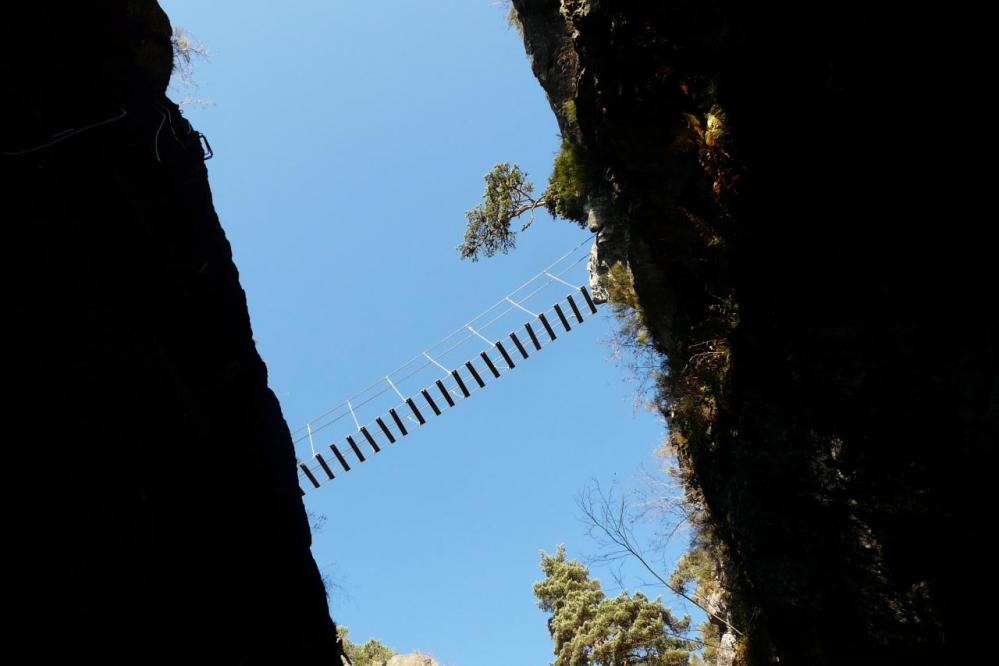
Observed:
{"x":846,"y":446}
{"x":153,"y":514}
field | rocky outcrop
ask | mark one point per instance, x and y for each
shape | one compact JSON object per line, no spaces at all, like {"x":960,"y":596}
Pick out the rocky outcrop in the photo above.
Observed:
{"x":157,"y":517}
{"x":803,"y":251}
{"x":610,"y":248}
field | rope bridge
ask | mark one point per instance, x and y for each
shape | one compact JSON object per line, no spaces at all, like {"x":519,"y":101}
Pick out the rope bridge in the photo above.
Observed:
{"x":446,"y":373}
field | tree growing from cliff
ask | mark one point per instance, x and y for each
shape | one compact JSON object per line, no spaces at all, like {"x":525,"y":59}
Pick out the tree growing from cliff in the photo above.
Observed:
{"x":370,"y":653}
{"x":509,"y":195}
{"x":590,"y":629}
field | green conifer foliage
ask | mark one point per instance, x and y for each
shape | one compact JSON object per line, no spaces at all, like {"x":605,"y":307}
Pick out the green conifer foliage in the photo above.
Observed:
{"x":590,"y":629}
{"x":508,"y":195}
{"x":370,"y":653}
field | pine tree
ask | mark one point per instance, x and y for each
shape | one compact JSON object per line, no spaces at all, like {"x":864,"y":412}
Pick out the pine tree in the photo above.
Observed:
{"x":509,"y":195}
{"x":371,"y":653}
{"x":590,"y":629}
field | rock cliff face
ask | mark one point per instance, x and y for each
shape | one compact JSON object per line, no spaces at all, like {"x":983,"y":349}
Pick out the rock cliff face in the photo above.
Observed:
{"x":156,"y":514}
{"x":804,"y":250}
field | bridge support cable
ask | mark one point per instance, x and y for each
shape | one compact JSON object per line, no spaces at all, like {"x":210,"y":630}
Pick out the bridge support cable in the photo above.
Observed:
{"x":309,"y":474}
{"x":460,"y":371}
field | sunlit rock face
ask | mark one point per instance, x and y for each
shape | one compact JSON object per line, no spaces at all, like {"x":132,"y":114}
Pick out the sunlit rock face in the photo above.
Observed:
{"x":610,"y":248}
{"x":784,"y":201}
{"x":156,"y":514}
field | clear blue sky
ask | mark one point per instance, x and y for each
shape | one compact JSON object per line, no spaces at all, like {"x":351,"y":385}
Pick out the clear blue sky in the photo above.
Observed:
{"x":349,"y":139}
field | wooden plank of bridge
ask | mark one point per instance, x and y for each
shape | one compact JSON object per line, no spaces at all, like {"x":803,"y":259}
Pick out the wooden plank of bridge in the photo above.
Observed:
{"x":461,"y":383}
{"x":589,"y":301}
{"x":506,"y":357}
{"x":398,"y":422}
{"x":357,"y":449}
{"x":475,"y":374}
{"x":548,"y":327}
{"x":430,"y":401}
{"x":371,"y":440}
{"x":340,"y":458}
{"x":489,"y":364}
{"x":326,"y":468}
{"x":520,"y":347}
{"x":385,"y":429}
{"x":561,"y":317}
{"x":445,"y":393}
{"x":575,"y":310}
{"x":416,"y":412}
{"x":534,"y":338}
{"x":308,"y":474}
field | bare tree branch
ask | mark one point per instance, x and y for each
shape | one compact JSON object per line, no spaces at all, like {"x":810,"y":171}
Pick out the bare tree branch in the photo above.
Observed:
{"x":610,"y":519}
